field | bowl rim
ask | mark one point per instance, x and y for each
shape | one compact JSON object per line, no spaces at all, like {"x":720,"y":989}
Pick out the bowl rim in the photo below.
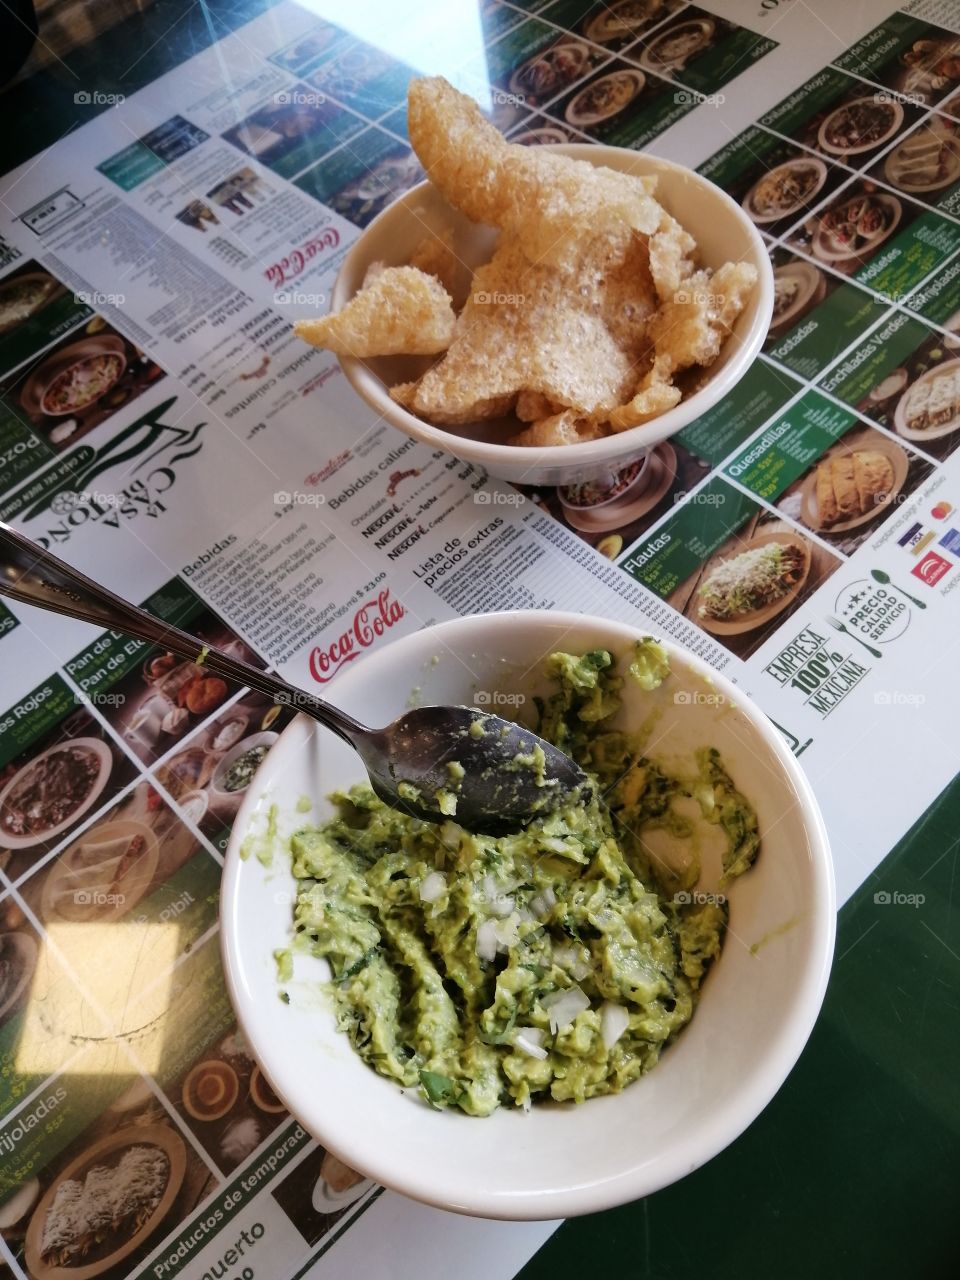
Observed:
{"x":587,"y":452}
{"x":718,"y":1130}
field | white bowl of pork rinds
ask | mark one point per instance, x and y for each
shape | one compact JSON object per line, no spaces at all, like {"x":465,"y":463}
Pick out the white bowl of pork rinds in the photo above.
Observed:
{"x":546,"y":313}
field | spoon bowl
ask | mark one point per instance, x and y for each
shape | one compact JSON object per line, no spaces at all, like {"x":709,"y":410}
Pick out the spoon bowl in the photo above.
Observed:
{"x":489,"y":773}
{"x":879,"y":575}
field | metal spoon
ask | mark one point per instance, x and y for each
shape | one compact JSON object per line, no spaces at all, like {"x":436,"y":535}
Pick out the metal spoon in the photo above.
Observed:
{"x":429,"y":756}
{"x":883,"y":578}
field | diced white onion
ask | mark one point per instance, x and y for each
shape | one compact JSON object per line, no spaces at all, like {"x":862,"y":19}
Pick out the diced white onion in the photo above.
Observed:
{"x":450,"y":833}
{"x":553,"y":844}
{"x":572,"y":959}
{"x":614,"y":1021}
{"x":529,"y":1040}
{"x":487,"y":940}
{"x":543,"y":903}
{"x":498,"y":897}
{"x":563,"y":1007}
{"x":508,"y":935}
{"x":432,"y":886}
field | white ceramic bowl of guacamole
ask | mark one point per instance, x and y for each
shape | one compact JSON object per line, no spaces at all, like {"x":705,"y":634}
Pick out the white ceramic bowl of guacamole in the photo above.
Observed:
{"x":759,"y":1001}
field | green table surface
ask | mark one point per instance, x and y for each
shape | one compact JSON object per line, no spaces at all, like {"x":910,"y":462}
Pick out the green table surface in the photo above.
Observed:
{"x":854,"y":1169}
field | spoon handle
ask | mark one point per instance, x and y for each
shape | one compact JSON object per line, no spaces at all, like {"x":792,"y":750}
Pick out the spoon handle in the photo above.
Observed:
{"x":32,"y":575}
{"x":921,"y":604}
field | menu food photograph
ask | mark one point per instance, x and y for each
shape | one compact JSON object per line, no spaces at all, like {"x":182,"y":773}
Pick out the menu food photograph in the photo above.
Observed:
{"x":529,"y":432}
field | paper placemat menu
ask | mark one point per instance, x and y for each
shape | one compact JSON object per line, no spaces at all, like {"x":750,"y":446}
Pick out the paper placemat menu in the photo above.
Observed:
{"x":163,"y":429}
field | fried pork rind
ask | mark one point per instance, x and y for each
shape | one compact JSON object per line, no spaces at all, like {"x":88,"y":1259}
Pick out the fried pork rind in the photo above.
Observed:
{"x":672,"y":256}
{"x":399,"y":311}
{"x":688,"y":330}
{"x":405,"y":394}
{"x":531,"y":406}
{"x":655,"y":395}
{"x":435,"y":255}
{"x":526,"y":328}
{"x":691,"y":328}
{"x":561,"y":428}
{"x":591,"y":305}
{"x":554,"y":205}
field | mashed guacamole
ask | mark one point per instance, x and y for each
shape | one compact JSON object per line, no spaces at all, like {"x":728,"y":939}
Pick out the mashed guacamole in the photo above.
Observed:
{"x":555,"y":963}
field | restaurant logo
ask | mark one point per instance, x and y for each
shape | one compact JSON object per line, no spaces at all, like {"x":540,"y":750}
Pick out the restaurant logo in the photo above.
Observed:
{"x":931,"y":568}
{"x":370,"y":621}
{"x":149,"y":451}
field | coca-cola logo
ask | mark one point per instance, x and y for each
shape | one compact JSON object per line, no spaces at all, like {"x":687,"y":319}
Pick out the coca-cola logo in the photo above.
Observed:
{"x":370,"y":621}
{"x":298,"y":259}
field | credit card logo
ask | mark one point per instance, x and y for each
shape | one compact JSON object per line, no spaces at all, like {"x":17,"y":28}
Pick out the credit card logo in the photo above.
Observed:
{"x":912,"y":535}
{"x":921,"y":543}
{"x":931,"y":568}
